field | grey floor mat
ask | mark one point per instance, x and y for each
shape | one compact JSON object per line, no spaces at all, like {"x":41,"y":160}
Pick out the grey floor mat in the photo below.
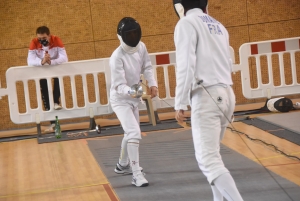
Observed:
{"x":275,"y":130}
{"x":105,"y":131}
{"x":289,"y":121}
{"x":171,"y":169}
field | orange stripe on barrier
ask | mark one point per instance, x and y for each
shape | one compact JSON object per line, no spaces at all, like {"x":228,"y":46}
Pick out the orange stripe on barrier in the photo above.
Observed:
{"x":162,"y":59}
{"x":278,"y":46}
{"x":254,"y":49}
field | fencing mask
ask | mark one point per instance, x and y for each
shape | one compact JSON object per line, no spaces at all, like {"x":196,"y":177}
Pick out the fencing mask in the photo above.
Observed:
{"x":129,"y":33}
{"x":181,"y":6}
{"x":280,"y":104}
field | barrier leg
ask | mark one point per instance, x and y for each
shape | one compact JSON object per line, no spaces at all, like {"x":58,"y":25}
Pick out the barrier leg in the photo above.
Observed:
{"x":39,"y":132}
{"x":92,"y":120}
{"x":157,"y":120}
{"x":38,"y":125}
{"x":150,"y":111}
{"x":92,"y":123}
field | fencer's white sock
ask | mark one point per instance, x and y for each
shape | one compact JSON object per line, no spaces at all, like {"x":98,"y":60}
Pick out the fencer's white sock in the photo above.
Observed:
{"x":123,"y":160}
{"x":217,"y":194}
{"x":133,"y":153}
{"x":227,"y":187}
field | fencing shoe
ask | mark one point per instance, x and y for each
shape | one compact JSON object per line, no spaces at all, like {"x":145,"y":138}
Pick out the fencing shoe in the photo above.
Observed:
{"x":123,"y":169}
{"x":57,"y":107}
{"x":119,"y":169}
{"x":50,"y":128}
{"x":139,"y":180}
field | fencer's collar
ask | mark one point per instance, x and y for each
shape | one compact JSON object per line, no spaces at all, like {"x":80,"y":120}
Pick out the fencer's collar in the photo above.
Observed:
{"x":194,"y":10}
{"x":126,"y":48}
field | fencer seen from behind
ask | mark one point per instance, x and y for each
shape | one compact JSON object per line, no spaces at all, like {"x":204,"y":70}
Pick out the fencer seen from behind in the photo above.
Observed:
{"x":127,"y":63}
{"x":203,"y":80}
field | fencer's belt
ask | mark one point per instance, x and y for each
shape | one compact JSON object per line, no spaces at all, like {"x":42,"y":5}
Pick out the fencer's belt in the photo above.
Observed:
{"x":209,"y":86}
{"x":219,"y":84}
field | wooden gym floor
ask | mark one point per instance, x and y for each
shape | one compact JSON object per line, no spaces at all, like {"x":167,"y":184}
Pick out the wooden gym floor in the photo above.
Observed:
{"x":68,"y":171}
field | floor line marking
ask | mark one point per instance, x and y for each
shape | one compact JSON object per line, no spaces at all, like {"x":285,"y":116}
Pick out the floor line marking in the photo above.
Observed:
{"x":53,"y":190}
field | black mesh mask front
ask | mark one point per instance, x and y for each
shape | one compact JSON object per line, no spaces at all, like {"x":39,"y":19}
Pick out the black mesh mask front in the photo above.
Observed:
{"x":130,"y":31}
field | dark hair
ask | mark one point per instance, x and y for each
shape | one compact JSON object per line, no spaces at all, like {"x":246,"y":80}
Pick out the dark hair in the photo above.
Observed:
{"x":42,"y":30}
{"x":194,"y":4}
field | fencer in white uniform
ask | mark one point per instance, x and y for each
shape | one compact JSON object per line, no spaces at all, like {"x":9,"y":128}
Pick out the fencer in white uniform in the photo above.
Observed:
{"x":127,"y":63}
{"x":203,"y":80}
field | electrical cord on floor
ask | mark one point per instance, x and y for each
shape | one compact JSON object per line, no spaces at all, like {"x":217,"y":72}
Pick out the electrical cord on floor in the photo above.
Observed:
{"x":275,"y":148}
{"x":272,"y":146}
{"x":259,"y":161}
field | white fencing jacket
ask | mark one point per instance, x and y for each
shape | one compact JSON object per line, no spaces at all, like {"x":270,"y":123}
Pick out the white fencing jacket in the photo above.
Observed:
{"x":202,"y":53}
{"x":56,"y":50}
{"x":126,"y":70}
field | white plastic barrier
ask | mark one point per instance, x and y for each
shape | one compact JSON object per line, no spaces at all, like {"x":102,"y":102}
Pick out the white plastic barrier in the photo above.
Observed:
{"x":268,"y":48}
{"x":163,"y":59}
{"x":70,"y":69}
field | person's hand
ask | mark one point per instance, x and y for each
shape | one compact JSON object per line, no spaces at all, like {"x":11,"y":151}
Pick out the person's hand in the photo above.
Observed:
{"x":180,"y":117}
{"x":153,"y":91}
{"x":49,"y":61}
{"x":46,"y":59}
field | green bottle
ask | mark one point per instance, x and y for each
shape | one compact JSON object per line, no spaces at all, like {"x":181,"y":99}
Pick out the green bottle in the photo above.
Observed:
{"x":57,"y":128}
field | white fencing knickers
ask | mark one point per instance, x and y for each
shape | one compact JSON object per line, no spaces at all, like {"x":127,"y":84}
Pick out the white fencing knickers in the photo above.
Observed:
{"x":209,"y":125}
{"x":128,"y":115}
